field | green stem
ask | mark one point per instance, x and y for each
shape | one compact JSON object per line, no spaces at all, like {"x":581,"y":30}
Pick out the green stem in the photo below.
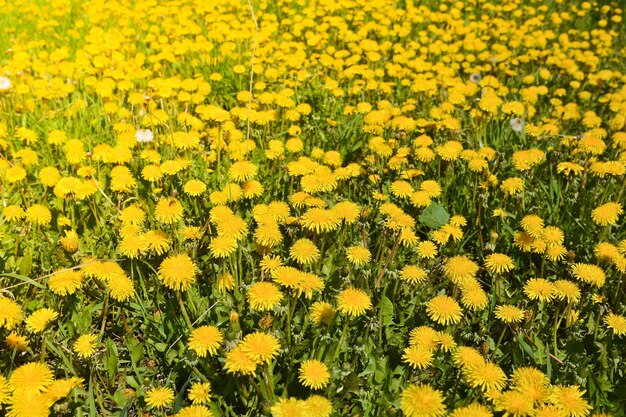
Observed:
{"x":499,"y":341}
{"x":183,"y":310}
{"x":105,"y":312}
{"x":343,"y":335}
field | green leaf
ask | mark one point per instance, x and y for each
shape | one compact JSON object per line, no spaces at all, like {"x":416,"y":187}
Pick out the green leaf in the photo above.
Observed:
{"x":386,"y":311}
{"x":434,"y":216}
{"x":26,"y":265}
{"x":23,"y":278}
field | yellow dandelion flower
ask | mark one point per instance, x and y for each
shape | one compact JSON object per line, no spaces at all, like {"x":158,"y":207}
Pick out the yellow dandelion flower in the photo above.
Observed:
{"x":569,"y":399}
{"x":38,"y":214}
{"x":31,"y":378}
{"x":607,"y":214}
{"x":354,"y":302}
{"x":264,"y":296}
{"x":509,"y":313}
{"x":39,"y":319}
{"x":358,"y":255}
{"x":159,"y":397}
{"x":487,"y":376}
{"x":205,"y":340}
{"x":85,"y":345}
{"x":10,"y":313}
{"x":425,"y":337}
{"x":194,"y":188}
{"x":313,"y":374}
{"x":417,"y":357}
{"x":260,"y":347}
{"x":317,"y":406}
{"x":422,"y":401}
{"x":444,"y":310}
{"x":413,"y":274}
{"x":460,"y":269}
{"x":304,"y":251}
{"x":199,"y":393}
{"x":591,"y":274}
{"x":168,"y":211}
{"x":239,"y":362}
{"x":539,"y":289}
{"x":497,"y":263}
{"x":322,"y":311}
{"x":616,"y":323}
{"x":178,"y":272}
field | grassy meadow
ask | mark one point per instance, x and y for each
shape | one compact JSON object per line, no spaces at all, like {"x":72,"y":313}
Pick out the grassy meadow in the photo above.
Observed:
{"x":312,"y":208}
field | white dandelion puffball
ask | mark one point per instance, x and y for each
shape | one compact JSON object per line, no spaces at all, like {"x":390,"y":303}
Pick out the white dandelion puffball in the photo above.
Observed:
{"x":517,"y":124}
{"x":5,"y":83}
{"x":144,"y":135}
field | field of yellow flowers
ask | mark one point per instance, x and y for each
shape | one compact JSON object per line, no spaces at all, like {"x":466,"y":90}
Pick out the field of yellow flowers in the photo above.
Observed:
{"x":312,"y":208}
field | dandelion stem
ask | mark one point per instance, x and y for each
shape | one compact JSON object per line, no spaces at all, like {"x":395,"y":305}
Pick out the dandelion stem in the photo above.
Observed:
{"x":105,"y":312}
{"x":183,"y":310}
{"x":495,"y":349}
{"x":343,"y":335}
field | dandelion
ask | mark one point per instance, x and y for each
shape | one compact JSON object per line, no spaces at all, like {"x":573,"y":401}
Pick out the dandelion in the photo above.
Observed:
{"x":144,"y":135}
{"x":517,"y":124}
{"x":569,"y":400}
{"x":121,"y":287}
{"x":413,"y":274}
{"x":159,"y":397}
{"x":320,"y":220}
{"x":313,"y":374}
{"x":38,"y":214}
{"x":205,"y":340}
{"x":616,"y":323}
{"x":358,"y":255}
{"x":39,"y":319}
{"x":566,"y":290}
{"x":264,"y":296}
{"x":590,"y":274}
{"x":497,"y":263}
{"x":472,"y":410}
{"x":10,"y":313}
{"x":194,"y":188}
{"x":5,"y":84}
{"x":287,"y":407}
{"x":509,"y":313}
{"x":460,"y":269}
{"x":322,"y":312}
{"x":512,"y":186}
{"x":199,"y":393}
{"x":607,"y":214}
{"x":30,"y":378}
{"x":514,"y":403}
{"x":168,"y":211}
{"x":417,"y":357}
{"x":444,"y":310}
{"x":426,"y":249}
{"x":260,"y":347}
{"x":487,"y":376}
{"x":539,"y":289}
{"x":239,"y":362}
{"x":317,"y":406}
{"x":195,"y":410}
{"x":425,"y":337}
{"x":422,"y":401}
{"x":14,"y":341}
{"x":354,"y":302}
{"x":222,"y":246}
{"x":85,"y":345}
{"x":304,"y":251}
{"x":533,"y":225}
{"x":178,"y":272}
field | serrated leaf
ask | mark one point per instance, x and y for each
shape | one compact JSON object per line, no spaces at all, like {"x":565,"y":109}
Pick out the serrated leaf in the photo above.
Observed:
{"x":434,"y":216}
